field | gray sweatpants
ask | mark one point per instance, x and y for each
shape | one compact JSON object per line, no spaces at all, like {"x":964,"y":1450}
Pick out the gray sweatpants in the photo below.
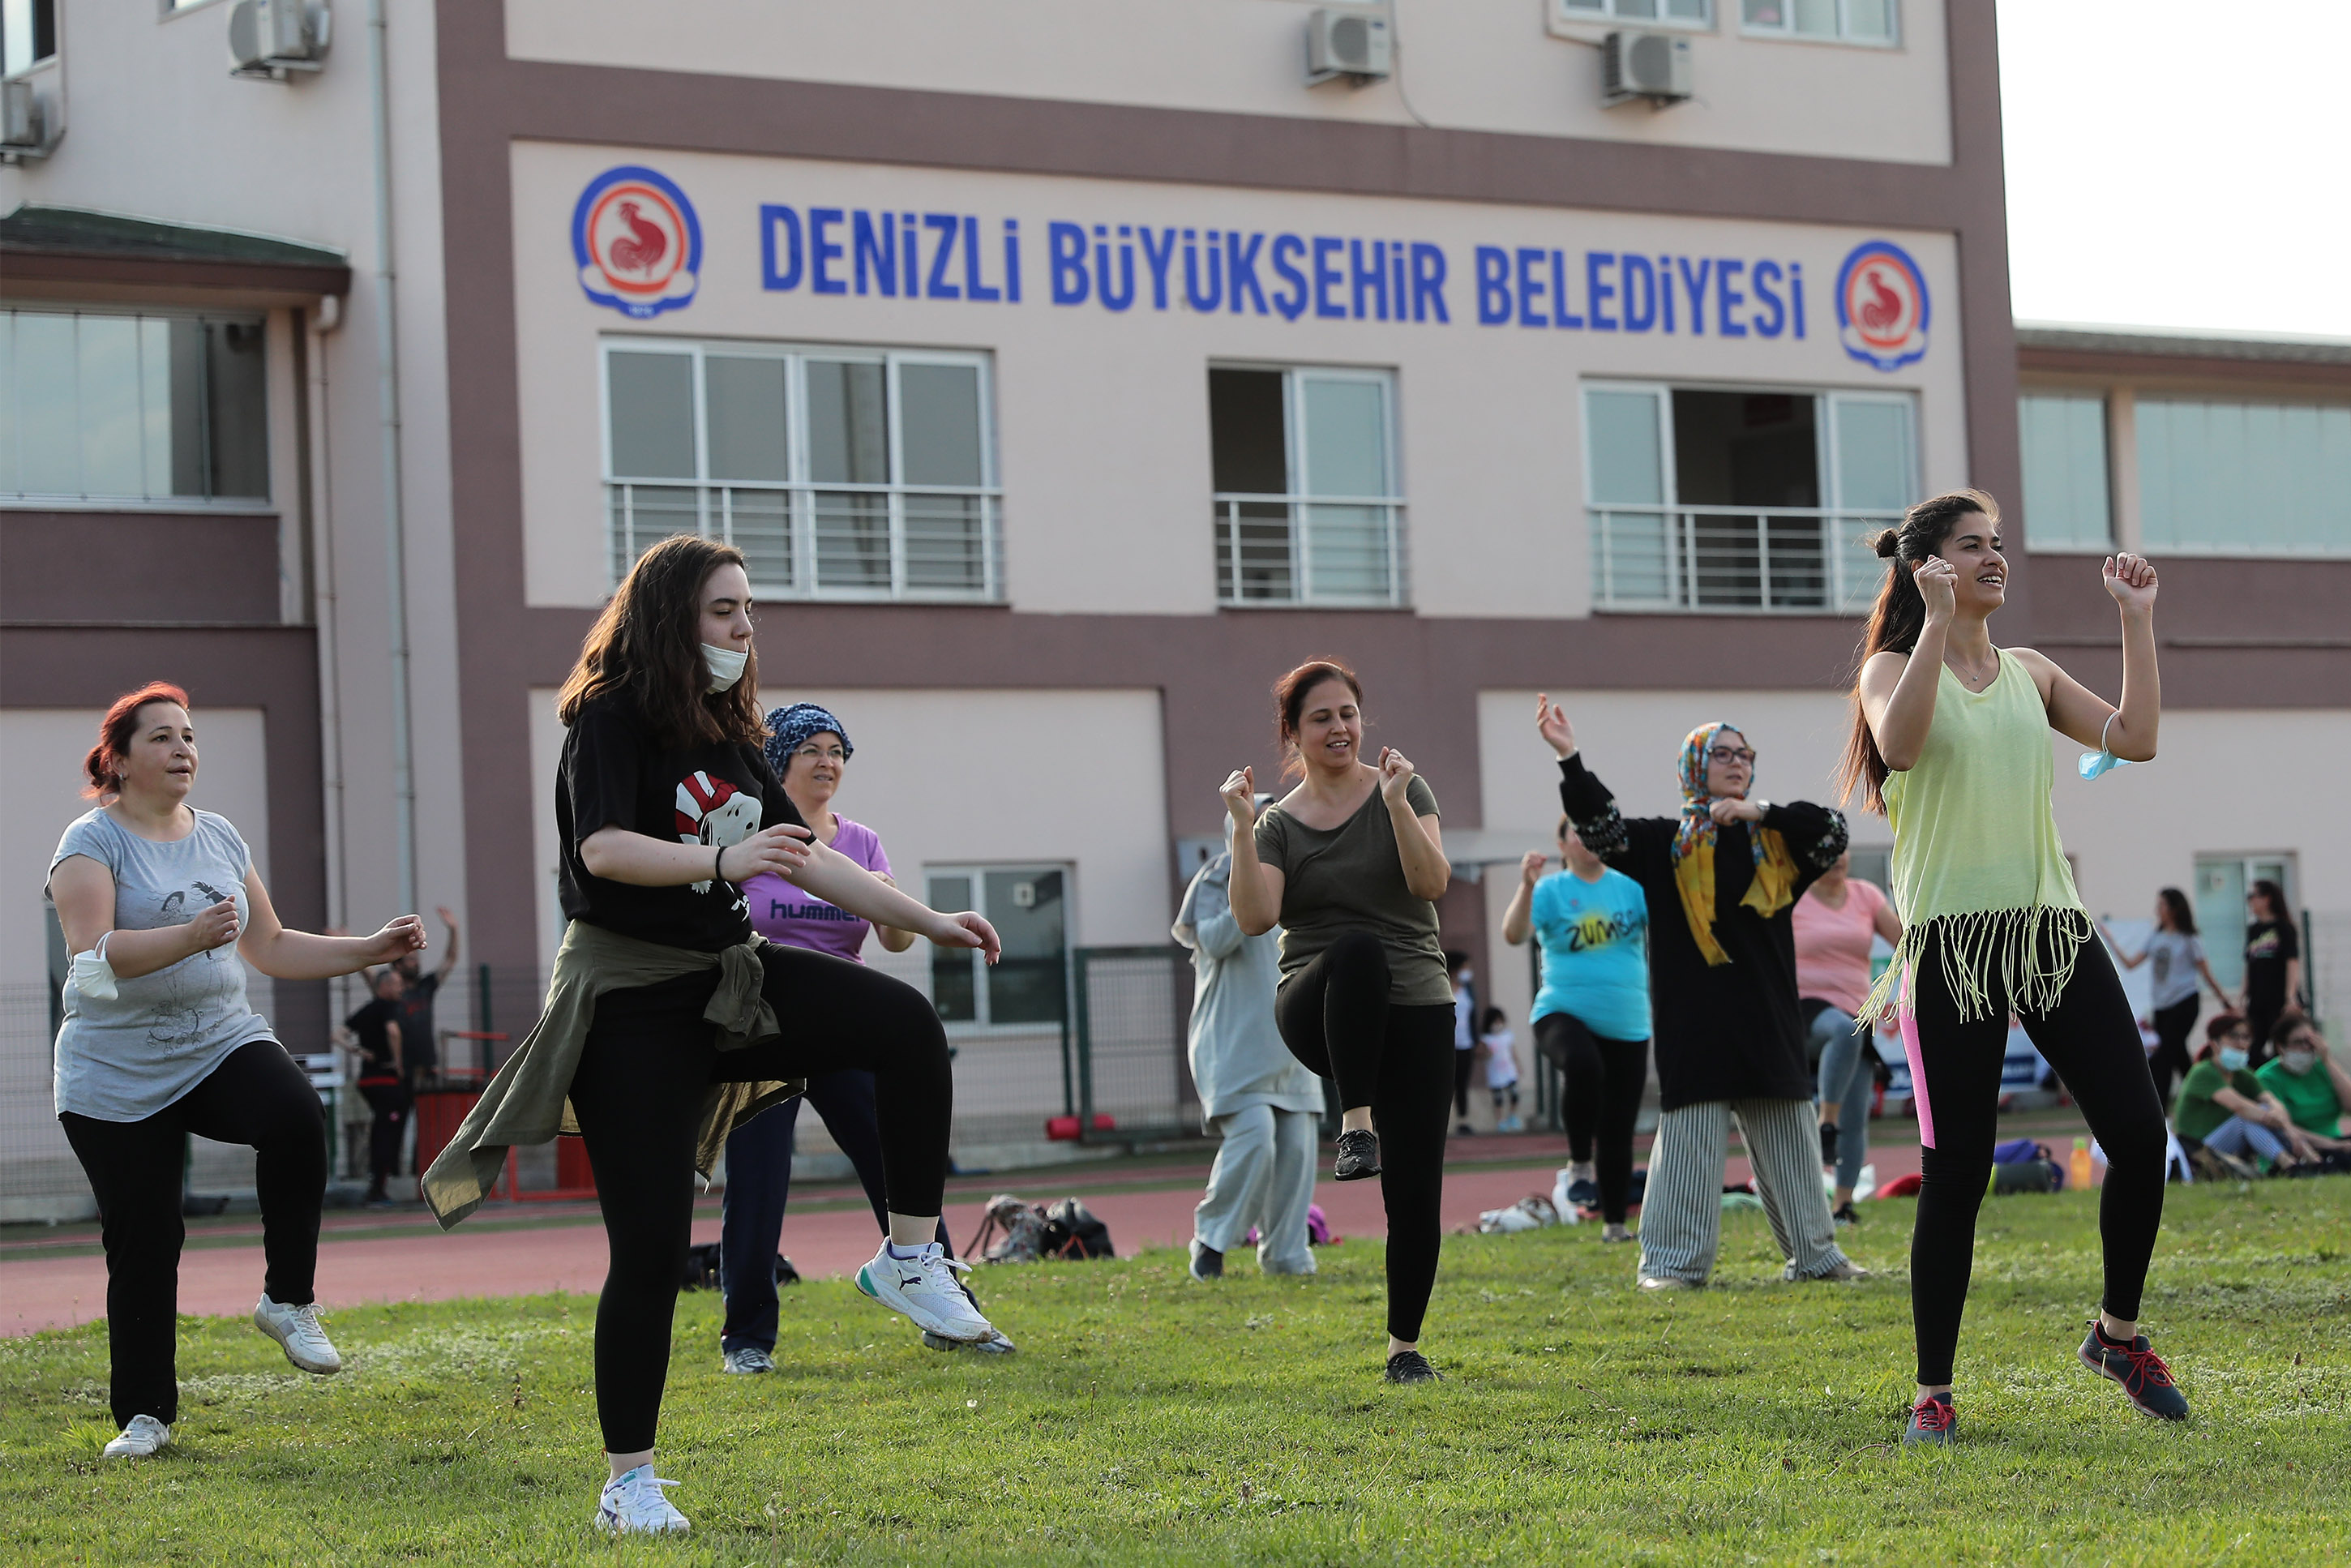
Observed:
{"x":1264,"y":1176}
{"x":1681,"y":1208}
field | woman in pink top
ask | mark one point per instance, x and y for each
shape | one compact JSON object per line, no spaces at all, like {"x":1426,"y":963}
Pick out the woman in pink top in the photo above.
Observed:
{"x":810,"y":750}
{"x":1835,"y":920}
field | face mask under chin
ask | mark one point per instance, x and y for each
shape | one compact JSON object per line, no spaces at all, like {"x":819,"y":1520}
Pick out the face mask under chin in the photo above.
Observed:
{"x":726,"y":666}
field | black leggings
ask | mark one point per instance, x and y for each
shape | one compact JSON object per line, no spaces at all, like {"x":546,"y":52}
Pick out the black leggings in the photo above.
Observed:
{"x":392,"y":1103}
{"x":1463,"y":1062}
{"x":2093,"y":1042}
{"x":2172,"y":1027}
{"x":1604,"y":1078}
{"x":1335,"y":1017}
{"x":648,"y":1063}
{"x":259,"y":1097}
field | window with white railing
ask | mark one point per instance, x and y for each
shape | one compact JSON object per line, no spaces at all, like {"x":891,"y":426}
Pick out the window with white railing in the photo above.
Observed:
{"x":1306,"y":505}
{"x":838,"y":473}
{"x":1714,"y":500}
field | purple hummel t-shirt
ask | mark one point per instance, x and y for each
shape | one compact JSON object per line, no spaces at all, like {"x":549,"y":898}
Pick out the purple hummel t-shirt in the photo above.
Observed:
{"x":782,"y":912}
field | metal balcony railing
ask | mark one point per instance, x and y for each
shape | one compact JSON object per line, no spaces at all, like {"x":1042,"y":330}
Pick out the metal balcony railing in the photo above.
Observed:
{"x":1329,"y":550}
{"x":1791,"y":560}
{"x":830,"y":541}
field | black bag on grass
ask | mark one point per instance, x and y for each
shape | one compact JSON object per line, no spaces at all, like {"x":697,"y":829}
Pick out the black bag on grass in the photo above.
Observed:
{"x":702,"y":1269}
{"x":1072,"y":1232}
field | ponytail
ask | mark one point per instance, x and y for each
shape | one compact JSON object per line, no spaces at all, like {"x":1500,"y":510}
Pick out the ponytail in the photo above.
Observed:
{"x":1896,"y":619}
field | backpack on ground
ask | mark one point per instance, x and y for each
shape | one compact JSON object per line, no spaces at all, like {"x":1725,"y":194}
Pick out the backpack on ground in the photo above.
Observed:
{"x":702,"y":1269}
{"x":1014,"y":1231}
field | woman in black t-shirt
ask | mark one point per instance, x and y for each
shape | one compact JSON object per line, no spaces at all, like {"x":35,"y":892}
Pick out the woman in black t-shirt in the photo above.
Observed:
{"x":2273,"y":962}
{"x":665,"y":806}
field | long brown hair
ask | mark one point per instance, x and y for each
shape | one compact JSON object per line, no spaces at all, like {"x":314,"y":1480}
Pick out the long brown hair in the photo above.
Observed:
{"x":646,"y":647}
{"x":1289,"y":695}
{"x":1900,"y":616}
{"x":102,"y":767}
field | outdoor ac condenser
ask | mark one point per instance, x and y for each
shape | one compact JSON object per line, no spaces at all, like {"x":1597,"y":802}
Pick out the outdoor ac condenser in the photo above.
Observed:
{"x":1653,"y":65}
{"x":1348,"y":41}
{"x":20,"y":115}
{"x":272,"y":37}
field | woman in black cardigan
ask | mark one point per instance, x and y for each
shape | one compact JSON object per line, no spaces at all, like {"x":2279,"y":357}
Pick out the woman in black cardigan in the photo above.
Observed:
{"x":1721,"y":879}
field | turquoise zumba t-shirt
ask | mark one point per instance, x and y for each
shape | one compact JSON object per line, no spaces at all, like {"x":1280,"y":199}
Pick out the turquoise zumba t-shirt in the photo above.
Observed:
{"x":1595,"y":953}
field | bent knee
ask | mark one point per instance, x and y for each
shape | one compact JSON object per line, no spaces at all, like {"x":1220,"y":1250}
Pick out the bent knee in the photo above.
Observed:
{"x":1358,"y":951}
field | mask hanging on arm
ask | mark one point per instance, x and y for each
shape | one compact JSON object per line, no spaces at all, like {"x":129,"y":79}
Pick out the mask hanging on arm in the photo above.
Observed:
{"x":726,"y":666}
{"x":2102,"y":760}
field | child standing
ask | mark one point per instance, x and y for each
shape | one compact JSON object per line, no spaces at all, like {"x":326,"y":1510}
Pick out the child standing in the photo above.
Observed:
{"x":1500,"y":1047}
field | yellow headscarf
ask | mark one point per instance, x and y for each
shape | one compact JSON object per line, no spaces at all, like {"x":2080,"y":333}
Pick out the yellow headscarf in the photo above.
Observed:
{"x":1773,"y":887}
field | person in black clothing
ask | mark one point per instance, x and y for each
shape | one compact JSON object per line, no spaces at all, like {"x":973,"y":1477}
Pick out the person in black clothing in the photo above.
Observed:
{"x":1721,"y":881}
{"x":420,"y":1041}
{"x":664,"y":805}
{"x":2273,"y":962}
{"x":382,"y":1045}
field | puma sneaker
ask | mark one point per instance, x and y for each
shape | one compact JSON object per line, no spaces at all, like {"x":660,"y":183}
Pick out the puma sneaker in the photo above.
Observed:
{"x":297,"y":1331}
{"x":633,"y":1504}
{"x":922,"y":1284}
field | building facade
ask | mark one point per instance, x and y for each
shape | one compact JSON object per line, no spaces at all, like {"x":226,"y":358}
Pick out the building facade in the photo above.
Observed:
{"x":1066,"y":372}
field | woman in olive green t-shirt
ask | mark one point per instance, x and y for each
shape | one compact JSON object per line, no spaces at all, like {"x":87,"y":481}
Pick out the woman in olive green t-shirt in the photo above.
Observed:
{"x":1349,"y":864}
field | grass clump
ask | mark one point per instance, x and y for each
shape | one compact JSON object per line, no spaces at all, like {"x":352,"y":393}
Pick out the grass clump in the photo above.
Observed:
{"x":1148,"y":1418}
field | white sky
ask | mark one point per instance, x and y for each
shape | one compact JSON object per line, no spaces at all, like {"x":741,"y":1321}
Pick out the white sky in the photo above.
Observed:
{"x":2179,"y":162}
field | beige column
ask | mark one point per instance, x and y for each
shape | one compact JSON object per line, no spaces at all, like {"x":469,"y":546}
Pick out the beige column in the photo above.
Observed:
{"x":2122,"y":465}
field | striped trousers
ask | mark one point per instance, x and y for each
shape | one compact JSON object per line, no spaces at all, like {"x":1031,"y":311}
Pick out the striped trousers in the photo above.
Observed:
{"x":1681,"y":1208}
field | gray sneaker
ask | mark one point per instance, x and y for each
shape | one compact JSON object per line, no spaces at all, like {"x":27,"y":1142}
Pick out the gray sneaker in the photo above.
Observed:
{"x":750,"y":1358}
{"x":142,"y":1437}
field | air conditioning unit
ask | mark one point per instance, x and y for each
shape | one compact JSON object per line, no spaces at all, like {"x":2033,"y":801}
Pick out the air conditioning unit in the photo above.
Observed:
{"x":1348,"y":41}
{"x":23,"y":123}
{"x":1654,"y":65}
{"x":274,"y":38}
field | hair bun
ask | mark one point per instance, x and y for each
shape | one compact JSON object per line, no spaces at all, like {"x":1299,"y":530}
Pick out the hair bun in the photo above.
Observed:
{"x":1887,"y":543}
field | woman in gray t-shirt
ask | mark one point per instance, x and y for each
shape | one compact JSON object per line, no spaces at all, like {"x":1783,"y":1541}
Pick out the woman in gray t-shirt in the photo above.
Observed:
{"x":158,"y":901}
{"x":1350,"y":864}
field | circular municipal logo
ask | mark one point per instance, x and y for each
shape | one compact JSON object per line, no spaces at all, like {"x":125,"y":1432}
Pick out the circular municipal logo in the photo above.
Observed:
{"x":637,"y":243}
{"x":1882,"y":309}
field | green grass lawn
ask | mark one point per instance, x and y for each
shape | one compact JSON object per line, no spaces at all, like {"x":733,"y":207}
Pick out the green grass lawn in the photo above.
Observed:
{"x":1147,"y":1419}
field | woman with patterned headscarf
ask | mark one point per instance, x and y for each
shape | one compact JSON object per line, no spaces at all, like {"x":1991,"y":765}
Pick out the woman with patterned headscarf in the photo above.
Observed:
{"x":1722,"y":878}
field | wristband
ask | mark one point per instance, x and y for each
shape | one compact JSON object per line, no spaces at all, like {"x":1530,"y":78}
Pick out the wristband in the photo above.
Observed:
{"x":718,"y":864}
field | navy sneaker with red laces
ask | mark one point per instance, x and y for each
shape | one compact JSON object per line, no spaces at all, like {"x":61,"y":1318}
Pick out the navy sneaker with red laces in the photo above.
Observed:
{"x":1932,"y":1421}
{"x":2144,"y":1376}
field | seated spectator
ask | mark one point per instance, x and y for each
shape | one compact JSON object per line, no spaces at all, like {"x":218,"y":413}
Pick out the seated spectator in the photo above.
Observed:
{"x":2224,"y":1108}
{"x":2305,"y":1079}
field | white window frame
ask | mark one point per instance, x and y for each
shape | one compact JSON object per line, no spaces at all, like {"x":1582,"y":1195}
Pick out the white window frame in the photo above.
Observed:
{"x":42,"y":500}
{"x":2111,"y":456}
{"x":978,"y":873}
{"x":1786,"y":31}
{"x":1226,"y":504}
{"x":715,"y":509}
{"x":1563,"y":14}
{"x":1850,"y":582}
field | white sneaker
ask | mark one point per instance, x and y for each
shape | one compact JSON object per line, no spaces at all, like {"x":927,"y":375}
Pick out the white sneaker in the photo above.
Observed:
{"x":922,"y":1285}
{"x":750,"y":1358}
{"x":297,"y":1328}
{"x":632,"y":1503}
{"x":142,"y":1437}
{"x":998,"y":1344}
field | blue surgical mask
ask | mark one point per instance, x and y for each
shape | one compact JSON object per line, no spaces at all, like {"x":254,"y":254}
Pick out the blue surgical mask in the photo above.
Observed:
{"x":2232,"y":1059}
{"x":2102,"y":760}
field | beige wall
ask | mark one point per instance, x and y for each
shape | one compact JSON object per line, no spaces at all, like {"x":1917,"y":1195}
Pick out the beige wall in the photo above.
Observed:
{"x":953,"y":778}
{"x":1475,"y":65}
{"x":1101,"y":418}
{"x":40,"y":792}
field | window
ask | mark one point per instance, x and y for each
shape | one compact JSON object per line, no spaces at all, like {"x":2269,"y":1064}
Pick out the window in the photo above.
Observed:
{"x":1306,"y":508}
{"x":28,"y":34}
{"x":1029,"y":985}
{"x":839,"y":474}
{"x":1742,"y":500}
{"x":2221,"y":883}
{"x":1682,"y":13}
{"x":1847,"y":21}
{"x":100,"y":406}
{"x":2064,"y":450}
{"x":2244,"y":478}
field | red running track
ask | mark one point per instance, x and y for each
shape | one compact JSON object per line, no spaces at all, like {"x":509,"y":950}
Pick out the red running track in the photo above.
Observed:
{"x":404,"y":1258}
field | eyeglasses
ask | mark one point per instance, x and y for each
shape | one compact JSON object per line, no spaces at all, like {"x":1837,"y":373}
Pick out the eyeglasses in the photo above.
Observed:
{"x":822,"y":754}
{"x":1730,"y":753}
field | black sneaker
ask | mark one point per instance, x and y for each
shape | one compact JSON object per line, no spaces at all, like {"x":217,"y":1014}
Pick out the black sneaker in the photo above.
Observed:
{"x":1411,"y":1367}
{"x":1932,"y":1421}
{"x":2144,"y":1376}
{"x":1844,"y":1215}
{"x":1828,"y":1143}
{"x":1207,"y":1263}
{"x":1359,"y":1156}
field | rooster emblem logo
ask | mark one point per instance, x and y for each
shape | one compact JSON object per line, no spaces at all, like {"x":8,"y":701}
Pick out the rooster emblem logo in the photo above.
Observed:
{"x":637,"y":243}
{"x":1881,"y":300}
